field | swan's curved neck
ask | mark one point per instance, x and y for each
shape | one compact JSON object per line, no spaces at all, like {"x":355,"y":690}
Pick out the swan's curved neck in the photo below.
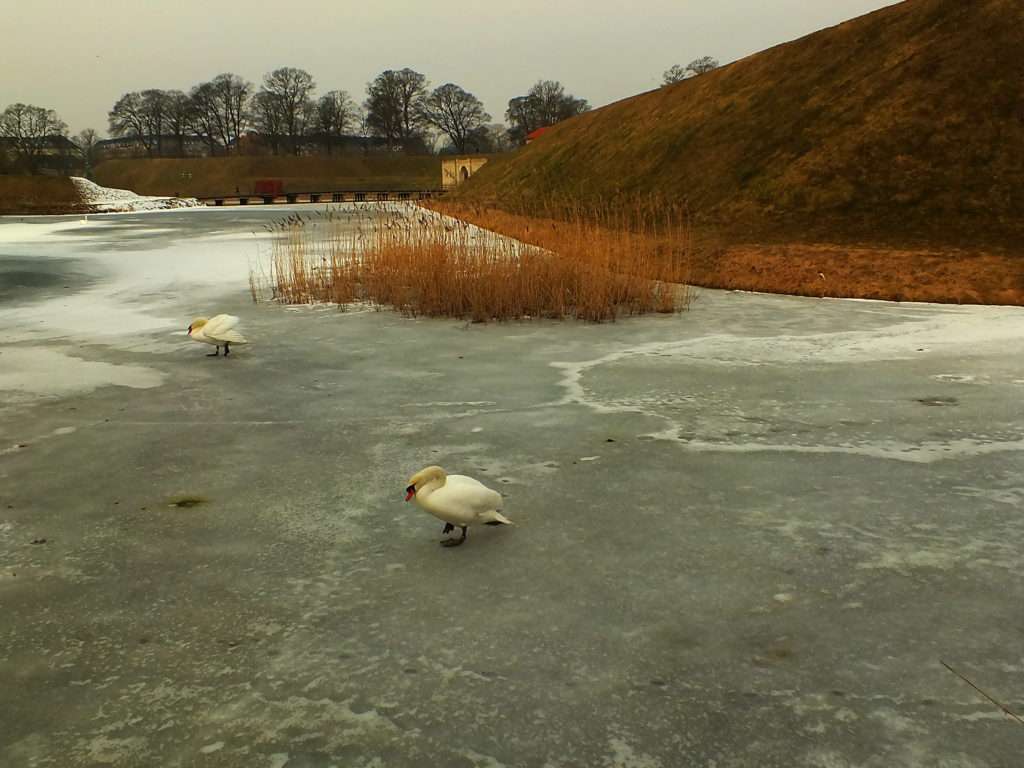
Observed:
{"x":434,"y":484}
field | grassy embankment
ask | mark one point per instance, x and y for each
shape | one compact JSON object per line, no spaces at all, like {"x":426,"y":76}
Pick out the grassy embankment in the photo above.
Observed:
{"x":38,"y":194}
{"x":915,"y":272}
{"x":880,"y":158}
{"x":209,"y":176}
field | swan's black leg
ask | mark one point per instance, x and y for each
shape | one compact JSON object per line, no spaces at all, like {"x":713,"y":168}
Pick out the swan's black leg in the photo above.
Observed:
{"x":227,"y":349}
{"x":448,"y":528}
{"x":455,"y":542}
{"x":215,"y":353}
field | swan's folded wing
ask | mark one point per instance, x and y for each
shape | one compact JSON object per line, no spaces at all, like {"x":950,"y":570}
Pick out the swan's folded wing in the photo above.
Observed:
{"x":472,"y":493}
{"x":222,"y":328}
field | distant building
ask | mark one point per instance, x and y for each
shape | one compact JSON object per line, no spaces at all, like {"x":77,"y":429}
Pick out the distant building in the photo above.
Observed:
{"x":455,"y":170}
{"x":55,"y":155}
{"x":249,"y":143}
{"x":165,"y":146}
{"x":253,"y":143}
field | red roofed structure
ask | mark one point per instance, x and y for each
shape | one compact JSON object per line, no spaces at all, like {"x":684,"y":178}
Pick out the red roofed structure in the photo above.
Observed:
{"x":534,"y":135}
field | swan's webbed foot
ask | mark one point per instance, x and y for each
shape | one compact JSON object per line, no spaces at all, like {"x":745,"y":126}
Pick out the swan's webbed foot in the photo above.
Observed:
{"x":215,"y":353}
{"x":454,"y":542}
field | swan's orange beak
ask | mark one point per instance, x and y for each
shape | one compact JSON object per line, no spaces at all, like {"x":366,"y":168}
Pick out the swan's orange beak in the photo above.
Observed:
{"x":410,"y":492}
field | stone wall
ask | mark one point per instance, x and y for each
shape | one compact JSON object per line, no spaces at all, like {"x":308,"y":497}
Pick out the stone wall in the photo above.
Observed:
{"x":455,"y":170}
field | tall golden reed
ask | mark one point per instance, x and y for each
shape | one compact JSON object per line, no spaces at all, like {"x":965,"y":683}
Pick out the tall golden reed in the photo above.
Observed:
{"x":422,"y":263}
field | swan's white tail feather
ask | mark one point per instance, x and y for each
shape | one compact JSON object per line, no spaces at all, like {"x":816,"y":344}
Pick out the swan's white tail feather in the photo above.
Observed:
{"x":232,"y":337}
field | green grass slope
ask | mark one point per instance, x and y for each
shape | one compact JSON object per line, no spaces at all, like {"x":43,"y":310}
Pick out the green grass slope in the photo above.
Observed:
{"x":209,"y":176}
{"x":905,"y":124}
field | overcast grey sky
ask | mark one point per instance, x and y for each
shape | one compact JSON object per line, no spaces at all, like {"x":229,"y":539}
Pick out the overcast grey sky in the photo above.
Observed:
{"x":79,"y":56}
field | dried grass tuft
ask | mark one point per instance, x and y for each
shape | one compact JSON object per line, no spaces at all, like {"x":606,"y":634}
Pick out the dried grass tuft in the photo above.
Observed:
{"x":422,"y":263}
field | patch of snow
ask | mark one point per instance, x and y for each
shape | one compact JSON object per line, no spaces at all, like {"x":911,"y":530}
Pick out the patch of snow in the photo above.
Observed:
{"x":140,"y":279}
{"x":107,"y":200}
{"x":49,"y":371}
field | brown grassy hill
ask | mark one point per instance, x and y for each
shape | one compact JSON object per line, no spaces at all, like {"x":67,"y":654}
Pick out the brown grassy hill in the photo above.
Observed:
{"x":38,"y":194}
{"x":208,"y":176}
{"x":905,"y":125}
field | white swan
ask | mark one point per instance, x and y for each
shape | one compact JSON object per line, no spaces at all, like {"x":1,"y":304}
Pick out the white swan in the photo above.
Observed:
{"x":457,"y":500}
{"x":219,"y":330}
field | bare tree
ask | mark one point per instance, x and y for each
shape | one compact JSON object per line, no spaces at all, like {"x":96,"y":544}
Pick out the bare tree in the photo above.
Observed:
{"x":335,"y":116}
{"x":154,"y":114}
{"x":231,"y":97}
{"x":701,"y":66}
{"x":394,"y":105}
{"x":305,"y":124}
{"x":85,"y":142}
{"x":141,"y":115}
{"x":362,"y":127}
{"x":129,"y":118}
{"x":217,"y":110}
{"x":289,"y":92}
{"x":677,"y":73}
{"x":674,"y":74}
{"x":456,"y":113}
{"x":202,"y":115}
{"x":29,"y":129}
{"x":546,"y":103}
{"x":268,"y":119}
{"x":178,"y":118}
{"x":486,"y":139}
{"x":497,"y":139}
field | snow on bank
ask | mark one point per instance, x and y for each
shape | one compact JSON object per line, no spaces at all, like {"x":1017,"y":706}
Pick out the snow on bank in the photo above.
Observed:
{"x":107,"y":200}
{"x":150,"y":273}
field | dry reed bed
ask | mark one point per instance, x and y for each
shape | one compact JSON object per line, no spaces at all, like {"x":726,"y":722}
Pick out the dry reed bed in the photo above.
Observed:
{"x":422,"y":263}
{"x":893,"y":272}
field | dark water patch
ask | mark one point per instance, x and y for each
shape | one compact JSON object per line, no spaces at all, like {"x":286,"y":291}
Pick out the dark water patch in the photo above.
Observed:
{"x":30,"y":279}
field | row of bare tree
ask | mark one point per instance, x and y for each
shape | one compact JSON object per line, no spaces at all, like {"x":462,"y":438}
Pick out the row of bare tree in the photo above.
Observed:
{"x":677,"y":72}
{"x":26,"y":131}
{"x":398,"y":109}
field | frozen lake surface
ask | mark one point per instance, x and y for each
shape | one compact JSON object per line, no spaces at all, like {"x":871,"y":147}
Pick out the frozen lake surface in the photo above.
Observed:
{"x":746,"y":535}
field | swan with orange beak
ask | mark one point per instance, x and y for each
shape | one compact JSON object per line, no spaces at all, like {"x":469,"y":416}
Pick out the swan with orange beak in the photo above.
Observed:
{"x":457,"y":500}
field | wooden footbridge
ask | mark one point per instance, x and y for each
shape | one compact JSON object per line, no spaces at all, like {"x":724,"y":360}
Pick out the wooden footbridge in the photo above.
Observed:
{"x":293,"y":198}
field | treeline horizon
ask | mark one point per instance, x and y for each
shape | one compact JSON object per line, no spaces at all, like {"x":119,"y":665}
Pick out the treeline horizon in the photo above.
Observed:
{"x":283,"y":115}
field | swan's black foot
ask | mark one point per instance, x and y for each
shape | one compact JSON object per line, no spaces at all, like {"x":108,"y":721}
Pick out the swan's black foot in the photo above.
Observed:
{"x":227,"y":350}
{"x":455,"y":542}
{"x":215,"y":353}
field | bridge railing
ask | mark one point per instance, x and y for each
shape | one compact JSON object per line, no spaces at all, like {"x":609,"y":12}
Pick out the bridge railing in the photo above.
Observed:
{"x":293,"y":198}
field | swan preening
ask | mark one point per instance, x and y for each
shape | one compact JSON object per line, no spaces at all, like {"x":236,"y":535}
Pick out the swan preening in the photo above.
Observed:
{"x":219,"y":330}
{"x":457,"y":500}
